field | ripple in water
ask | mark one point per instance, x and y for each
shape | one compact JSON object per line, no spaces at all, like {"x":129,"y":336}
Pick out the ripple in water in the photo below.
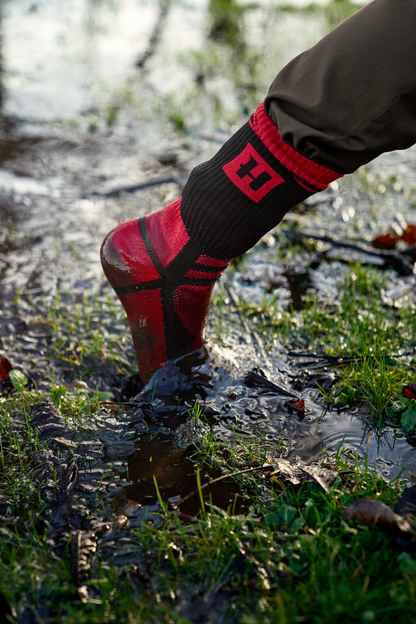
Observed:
{"x":237,"y":411}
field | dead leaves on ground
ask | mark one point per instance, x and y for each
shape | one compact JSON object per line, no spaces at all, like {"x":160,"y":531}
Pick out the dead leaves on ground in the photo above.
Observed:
{"x":392,"y":237}
{"x":297,"y":474}
{"x":296,"y":405}
{"x":373,"y":513}
{"x":400,"y":521}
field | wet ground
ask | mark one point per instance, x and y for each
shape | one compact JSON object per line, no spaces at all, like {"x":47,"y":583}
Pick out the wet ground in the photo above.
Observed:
{"x":106,"y":109}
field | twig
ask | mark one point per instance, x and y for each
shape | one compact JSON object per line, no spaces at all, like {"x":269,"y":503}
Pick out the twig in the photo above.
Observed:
{"x":393,"y":259}
{"x":253,"y":379}
{"x":231,"y":474}
{"x":340,"y":360}
{"x":154,"y":38}
{"x":120,"y":403}
{"x":138,"y":187}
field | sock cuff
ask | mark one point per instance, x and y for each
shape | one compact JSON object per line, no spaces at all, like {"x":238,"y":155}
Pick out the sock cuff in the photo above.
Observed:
{"x":268,"y":133}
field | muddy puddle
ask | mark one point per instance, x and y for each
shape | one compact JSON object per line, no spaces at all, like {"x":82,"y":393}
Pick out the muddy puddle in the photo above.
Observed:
{"x":106,"y":108}
{"x":243,"y":406}
{"x":246,"y":404}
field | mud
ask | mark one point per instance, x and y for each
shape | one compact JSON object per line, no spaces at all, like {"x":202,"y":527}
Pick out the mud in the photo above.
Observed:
{"x":87,"y":141}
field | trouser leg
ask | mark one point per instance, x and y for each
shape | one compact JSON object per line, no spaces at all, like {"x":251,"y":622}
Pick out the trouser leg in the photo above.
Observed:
{"x":352,"y":96}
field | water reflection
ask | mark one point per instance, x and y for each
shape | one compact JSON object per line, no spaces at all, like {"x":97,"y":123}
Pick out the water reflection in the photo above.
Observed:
{"x":240,"y":413}
{"x":62,"y":59}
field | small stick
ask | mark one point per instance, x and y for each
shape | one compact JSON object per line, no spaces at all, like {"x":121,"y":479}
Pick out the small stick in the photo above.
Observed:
{"x":231,"y":474}
{"x":392,"y":258}
{"x":138,"y":187}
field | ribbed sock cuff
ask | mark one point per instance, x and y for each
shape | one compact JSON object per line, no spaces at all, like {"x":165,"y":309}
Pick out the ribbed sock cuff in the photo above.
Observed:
{"x":268,"y":133}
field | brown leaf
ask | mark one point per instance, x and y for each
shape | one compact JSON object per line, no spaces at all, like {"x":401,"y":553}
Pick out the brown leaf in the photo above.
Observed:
{"x":129,"y":509}
{"x":324,"y":477}
{"x":386,"y":241}
{"x":5,"y":368}
{"x":296,"y":405}
{"x":409,"y":235}
{"x":80,"y":385}
{"x":6,"y":521}
{"x":374,"y":513}
{"x":409,"y":391}
{"x":303,"y":474}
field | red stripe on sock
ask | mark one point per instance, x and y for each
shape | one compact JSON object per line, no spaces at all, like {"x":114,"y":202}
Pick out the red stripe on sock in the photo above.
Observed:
{"x":145,"y":314}
{"x":268,"y":133}
{"x":167,"y":232}
{"x":212,"y":261}
{"x":191,"y":305}
{"x":202,"y":274}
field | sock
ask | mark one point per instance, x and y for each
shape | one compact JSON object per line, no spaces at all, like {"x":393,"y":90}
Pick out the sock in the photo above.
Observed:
{"x":163,"y":267}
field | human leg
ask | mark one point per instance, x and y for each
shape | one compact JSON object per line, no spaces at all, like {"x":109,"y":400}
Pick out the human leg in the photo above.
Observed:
{"x":164,"y":267}
{"x":352,"y":96}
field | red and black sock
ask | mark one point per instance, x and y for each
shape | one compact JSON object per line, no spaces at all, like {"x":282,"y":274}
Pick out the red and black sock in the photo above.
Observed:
{"x":163,"y":267}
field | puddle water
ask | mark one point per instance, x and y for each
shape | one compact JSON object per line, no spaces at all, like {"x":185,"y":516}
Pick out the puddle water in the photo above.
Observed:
{"x":174,"y":471}
{"x":243,"y":408}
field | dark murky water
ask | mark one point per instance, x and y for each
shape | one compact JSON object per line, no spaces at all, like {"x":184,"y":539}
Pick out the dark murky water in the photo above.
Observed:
{"x":159,"y":435}
{"x":238,"y":410}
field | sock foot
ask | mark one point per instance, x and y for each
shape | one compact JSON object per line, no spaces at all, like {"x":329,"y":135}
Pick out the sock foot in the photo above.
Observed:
{"x":164,"y":282}
{"x":164,"y":272}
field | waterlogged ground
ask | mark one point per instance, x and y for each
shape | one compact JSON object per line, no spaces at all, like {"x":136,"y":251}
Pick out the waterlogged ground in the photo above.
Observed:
{"x":106,"y":109}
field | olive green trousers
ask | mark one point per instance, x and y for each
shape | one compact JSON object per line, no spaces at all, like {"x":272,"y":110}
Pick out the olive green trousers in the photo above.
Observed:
{"x":352,"y":96}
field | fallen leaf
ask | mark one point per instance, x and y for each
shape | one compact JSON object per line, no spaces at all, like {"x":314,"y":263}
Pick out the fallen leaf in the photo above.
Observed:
{"x":5,"y":368}
{"x":386,"y":241}
{"x":129,"y":509}
{"x":80,"y":385}
{"x":297,"y":406}
{"x":409,"y":234}
{"x":6,"y":521}
{"x":373,"y":513}
{"x":324,"y":477}
{"x":409,"y":391}
{"x":296,"y":474}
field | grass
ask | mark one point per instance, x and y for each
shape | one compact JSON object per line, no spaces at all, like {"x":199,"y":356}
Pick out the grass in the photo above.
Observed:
{"x":377,"y":335}
{"x":290,"y":558}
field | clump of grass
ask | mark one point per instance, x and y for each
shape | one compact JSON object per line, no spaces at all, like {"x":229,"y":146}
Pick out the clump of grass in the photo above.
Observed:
{"x":363,"y":280}
{"x":357,"y":325}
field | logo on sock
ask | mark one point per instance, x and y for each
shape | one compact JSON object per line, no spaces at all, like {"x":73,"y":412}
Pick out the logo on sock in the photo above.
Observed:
{"x":251,"y":174}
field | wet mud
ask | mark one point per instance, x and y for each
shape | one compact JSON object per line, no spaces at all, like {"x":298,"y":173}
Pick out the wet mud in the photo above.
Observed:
{"x":78,"y":163}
